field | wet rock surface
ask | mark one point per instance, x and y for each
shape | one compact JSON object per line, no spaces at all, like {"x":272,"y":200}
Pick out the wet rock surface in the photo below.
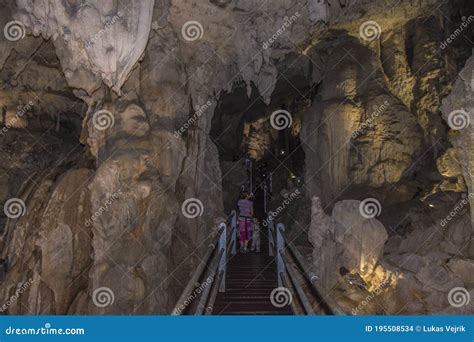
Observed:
{"x":116,"y":114}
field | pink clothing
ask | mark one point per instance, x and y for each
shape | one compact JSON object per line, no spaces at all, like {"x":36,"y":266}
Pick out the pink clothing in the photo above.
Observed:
{"x":245,"y":219}
{"x":245,"y":229}
{"x":245,"y":207}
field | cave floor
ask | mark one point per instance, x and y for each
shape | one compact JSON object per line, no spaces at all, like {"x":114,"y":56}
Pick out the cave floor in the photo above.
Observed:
{"x":250,"y":280}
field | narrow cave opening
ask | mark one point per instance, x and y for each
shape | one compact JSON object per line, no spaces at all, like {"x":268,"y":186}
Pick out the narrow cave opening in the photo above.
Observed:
{"x":245,"y":133}
{"x":260,"y":153}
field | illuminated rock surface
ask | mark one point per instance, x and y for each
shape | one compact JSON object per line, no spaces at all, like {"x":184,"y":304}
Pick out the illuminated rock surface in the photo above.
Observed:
{"x":115,"y":114}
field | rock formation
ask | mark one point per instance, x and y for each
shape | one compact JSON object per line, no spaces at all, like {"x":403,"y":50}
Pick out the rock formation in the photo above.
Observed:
{"x":458,"y":111}
{"x":345,"y":240}
{"x":117,"y":114}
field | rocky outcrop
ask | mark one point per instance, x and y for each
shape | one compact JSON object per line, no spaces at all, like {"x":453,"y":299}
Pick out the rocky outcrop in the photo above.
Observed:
{"x":449,"y":167}
{"x":50,"y":247}
{"x":417,"y":274}
{"x":434,"y":257}
{"x":141,"y":82}
{"x":118,"y":31}
{"x":345,"y":239}
{"x":458,"y":111}
{"x":357,"y":134}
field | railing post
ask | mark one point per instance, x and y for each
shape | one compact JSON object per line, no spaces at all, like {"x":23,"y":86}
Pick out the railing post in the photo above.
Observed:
{"x":223,"y":261}
{"x":251,"y":180}
{"x":233,"y":232}
{"x":271,"y":241}
{"x":265,"y":198}
{"x":280,"y":249}
{"x":271,"y":182}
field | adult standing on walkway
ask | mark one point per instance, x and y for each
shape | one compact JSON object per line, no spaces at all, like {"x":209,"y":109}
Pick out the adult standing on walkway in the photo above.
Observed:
{"x":245,"y":208}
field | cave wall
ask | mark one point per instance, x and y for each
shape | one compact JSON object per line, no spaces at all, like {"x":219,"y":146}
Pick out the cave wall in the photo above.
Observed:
{"x":375,"y":132}
{"x":139,"y":72}
{"x":142,"y":76}
{"x":457,"y":110}
{"x":337,"y":141}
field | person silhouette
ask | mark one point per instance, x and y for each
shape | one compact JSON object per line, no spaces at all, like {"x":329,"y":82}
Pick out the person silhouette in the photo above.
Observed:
{"x":245,"y":217}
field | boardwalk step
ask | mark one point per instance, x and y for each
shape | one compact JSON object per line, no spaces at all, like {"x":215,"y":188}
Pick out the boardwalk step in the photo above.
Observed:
{"x":250,"y":279}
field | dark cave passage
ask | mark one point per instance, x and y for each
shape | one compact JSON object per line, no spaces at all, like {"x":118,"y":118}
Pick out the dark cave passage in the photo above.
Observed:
{"x":125,"y":145}
{"x":242,"y":129}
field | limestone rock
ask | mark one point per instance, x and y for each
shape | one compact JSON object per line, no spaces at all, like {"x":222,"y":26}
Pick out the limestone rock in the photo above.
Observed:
{"x":458,"y":111}
{"x":110,"y":205}
{"x":438,"y":278}
{"x":347,"y":238}
{"x":448,"y":164}
{"x":57,"y":231}
{"x":352,"y":144}
{"x":463,"y":269}
{"x":118,"y":31}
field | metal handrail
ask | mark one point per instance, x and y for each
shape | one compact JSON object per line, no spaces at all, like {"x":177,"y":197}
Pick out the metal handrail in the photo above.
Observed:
{"x":194,"y":279}
{"x":196,"y":276}
{"x":232,"y":223}
{"x":280,"y":247}
{"x":219,"y":281}
{"x":271,"y":234}
{"x":286,"y":284}
{"x":284,"y":266}
{"x":310,"y":275}
{"x":312,"y":278}
{"x":213,"y":294}
{"x":297,"y":286}
{"x":217,"y":261}
{"x":205,"y":295}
